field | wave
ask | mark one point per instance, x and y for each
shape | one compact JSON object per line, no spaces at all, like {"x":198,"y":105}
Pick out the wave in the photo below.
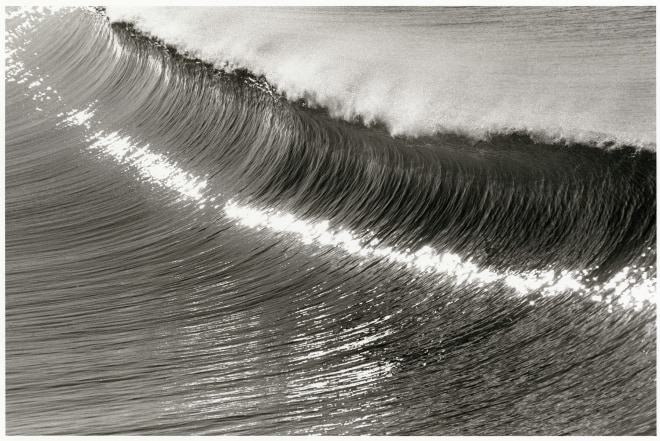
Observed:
{"x":421,"y":71}
{"x":193,"y":253}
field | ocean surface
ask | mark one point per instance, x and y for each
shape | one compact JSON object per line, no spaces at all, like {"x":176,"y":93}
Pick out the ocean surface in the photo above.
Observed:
{"x":283,"y":221}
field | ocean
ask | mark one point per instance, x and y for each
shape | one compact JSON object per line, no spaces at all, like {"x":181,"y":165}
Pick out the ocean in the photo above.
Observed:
{"x":330,"y":220}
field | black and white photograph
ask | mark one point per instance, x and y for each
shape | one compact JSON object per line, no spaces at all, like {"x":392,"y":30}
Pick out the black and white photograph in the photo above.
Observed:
{"x":280,"y":219}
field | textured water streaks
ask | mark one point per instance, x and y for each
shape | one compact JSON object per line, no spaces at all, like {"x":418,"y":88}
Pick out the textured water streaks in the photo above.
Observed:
{"x":620,"y":289}
{"x":164,"y":300}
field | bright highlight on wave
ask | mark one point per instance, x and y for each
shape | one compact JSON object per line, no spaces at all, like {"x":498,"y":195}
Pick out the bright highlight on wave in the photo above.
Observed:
{"x":632,"y":287}
{"x":621,"y":290}
{"x":150,"y":165}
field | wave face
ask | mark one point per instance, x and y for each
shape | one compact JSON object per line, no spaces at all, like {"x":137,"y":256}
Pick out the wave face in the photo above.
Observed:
{"x":189,"y":253}
{"x":575,"y":73}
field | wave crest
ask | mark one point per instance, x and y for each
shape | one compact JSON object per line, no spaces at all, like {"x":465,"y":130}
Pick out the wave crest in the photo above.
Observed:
{"x":424,"y":78}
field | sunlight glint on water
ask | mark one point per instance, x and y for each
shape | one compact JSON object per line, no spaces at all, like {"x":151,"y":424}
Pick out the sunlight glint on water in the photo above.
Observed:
{"x":158,"y":170}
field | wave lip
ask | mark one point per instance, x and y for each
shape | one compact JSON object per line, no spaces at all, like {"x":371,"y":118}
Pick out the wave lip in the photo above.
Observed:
{"x":426,"y":71}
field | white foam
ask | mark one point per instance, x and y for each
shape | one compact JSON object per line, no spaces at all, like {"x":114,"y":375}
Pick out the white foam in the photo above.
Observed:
{"x":577,"y":75}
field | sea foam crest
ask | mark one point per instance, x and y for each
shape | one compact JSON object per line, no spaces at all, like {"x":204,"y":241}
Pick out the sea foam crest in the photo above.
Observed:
{"x":421,"y":71}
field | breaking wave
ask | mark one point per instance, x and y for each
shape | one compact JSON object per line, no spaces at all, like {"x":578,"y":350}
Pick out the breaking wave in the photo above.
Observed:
{"x":189,"y":251}
{"x":563,"y":74}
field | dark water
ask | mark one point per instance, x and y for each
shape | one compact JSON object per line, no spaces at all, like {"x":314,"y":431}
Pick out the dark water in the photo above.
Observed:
{"x":189,"y":253}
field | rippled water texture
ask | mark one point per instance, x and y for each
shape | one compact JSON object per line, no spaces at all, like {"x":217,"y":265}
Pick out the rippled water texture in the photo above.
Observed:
{"x":187,"y":252}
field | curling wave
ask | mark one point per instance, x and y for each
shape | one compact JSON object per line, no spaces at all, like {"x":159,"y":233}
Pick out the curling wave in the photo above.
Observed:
{"x":560,"y":74}
{"x":236,"y":262}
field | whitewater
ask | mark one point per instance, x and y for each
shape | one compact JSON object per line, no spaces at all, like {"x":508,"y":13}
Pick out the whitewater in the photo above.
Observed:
{"x":563,"y":74}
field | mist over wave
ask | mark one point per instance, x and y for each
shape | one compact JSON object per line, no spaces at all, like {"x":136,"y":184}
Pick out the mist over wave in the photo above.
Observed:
{"x":573,"y":74}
